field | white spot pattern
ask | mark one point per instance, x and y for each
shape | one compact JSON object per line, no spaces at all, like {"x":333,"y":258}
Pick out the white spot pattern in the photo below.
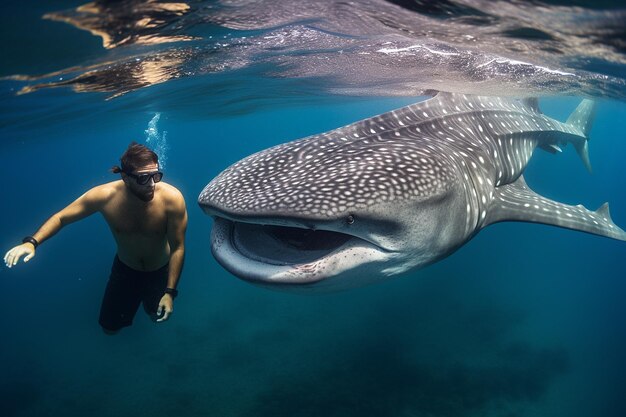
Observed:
{"x":399,"y":155}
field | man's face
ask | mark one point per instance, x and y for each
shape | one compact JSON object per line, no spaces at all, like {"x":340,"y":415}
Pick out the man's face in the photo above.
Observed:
{"x":144,"y":192}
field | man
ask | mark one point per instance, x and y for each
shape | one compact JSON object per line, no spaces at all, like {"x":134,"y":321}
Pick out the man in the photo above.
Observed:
{"x":148,"y":220}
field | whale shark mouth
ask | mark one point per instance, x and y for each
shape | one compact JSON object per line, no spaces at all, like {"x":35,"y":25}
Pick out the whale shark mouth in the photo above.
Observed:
{"x":283,"y":245}
{"x":279,"y":255}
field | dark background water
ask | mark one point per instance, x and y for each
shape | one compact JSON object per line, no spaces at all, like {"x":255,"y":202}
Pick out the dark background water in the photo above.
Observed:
{"x":524,"y":320}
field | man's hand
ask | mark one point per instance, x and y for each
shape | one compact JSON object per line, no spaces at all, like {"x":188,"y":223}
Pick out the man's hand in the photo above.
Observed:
{"x":13,"y":256}
{"x":166,"y":307}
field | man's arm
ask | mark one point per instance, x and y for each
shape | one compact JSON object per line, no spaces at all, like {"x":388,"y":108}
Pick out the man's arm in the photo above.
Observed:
{"x":83,"y":206}
{"x":176,"y":228}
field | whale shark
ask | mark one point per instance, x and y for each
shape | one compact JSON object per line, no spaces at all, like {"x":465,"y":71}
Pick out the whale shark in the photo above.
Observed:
{"x":391,"y":193}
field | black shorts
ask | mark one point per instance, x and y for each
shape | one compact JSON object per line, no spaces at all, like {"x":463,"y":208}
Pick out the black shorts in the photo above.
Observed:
{"x":126,"y":289}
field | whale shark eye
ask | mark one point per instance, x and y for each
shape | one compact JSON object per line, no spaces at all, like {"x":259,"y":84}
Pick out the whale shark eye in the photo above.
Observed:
{"x":350,"y":219}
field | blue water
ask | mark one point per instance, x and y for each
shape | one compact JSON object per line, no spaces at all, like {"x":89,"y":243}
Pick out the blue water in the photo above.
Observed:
{"x":524,"y":320}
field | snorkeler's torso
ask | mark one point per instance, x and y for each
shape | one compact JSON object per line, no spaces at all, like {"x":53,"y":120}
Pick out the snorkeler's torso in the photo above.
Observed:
{"x":139,"y":228}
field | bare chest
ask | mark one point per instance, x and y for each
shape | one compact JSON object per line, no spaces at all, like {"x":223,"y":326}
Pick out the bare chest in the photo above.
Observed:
{"x":124,"y":219}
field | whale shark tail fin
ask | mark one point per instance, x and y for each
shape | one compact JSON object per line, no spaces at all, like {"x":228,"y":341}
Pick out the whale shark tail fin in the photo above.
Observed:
{"x":582,"y":119}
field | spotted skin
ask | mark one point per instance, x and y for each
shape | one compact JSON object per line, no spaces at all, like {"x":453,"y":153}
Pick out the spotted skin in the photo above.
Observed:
{"x":444,"y":168}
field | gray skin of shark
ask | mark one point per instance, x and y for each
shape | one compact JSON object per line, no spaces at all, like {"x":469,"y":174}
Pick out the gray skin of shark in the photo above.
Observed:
{"x":391,"y":193}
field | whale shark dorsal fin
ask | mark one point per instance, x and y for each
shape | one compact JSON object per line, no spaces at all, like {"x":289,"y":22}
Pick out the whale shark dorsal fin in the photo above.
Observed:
{"x":604,"y":210}
{"x":517,"y":202}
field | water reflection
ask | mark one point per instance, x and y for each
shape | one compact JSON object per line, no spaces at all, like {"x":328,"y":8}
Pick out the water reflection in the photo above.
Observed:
{"x":118,"y":23}
{"x":364,"y":47}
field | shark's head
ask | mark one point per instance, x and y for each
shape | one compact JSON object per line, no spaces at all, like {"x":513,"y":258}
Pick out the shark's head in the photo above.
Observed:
{"x":330,"y":212}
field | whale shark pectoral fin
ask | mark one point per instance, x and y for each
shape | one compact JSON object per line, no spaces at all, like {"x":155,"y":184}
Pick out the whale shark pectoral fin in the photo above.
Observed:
{"x":517,"y":202}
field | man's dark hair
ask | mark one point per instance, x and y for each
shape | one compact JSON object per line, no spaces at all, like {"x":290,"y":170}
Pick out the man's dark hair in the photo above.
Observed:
{"x":136,"y":156}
